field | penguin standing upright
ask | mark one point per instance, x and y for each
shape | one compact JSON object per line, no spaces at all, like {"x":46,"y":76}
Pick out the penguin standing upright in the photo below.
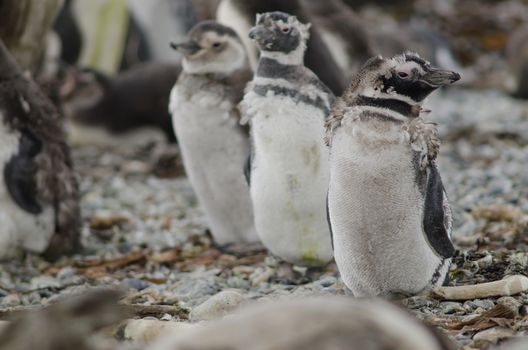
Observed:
{"x":287,"y":105}
{"x":517,"y":58}
{"x":214,"y":146}
{"x":388,"y":211}
{"x":39,"y":204}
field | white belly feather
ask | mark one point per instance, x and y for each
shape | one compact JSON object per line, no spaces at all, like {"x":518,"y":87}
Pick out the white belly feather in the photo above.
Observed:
{"x":214,"y":151}
{"x":18,"y":228}
{"x":289,"y":179}
{"x":376,"y":215}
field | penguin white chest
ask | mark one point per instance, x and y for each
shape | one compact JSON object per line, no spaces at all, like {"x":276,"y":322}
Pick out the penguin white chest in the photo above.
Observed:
{"x":289,"y":179}
{"x":376,"y":214}
{"x":19,"y":229}
{"x":214,"y":150}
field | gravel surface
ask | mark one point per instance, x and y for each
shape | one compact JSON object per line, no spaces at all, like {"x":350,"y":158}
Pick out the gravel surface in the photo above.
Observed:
{"x":147,"y":235}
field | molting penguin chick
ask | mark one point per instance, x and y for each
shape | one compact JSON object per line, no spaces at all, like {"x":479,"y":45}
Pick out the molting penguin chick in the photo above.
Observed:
{"x":388,"y":211}
{"x":287,"y":105}
{"x":214,"y":146}
{"x":39,"y":204}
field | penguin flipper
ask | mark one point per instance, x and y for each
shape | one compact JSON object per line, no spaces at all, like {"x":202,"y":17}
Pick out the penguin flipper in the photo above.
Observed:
{"x":247,"y":170}
{"x":20,"y":173}
{"x":436,"y":219}
{"x":329,"y":222}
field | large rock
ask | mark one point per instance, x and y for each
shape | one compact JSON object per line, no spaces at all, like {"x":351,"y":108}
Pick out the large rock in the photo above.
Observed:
{"x":217,"y":306}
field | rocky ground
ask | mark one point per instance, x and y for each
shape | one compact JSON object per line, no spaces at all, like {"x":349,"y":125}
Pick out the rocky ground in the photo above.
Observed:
{"x":146,"y":234}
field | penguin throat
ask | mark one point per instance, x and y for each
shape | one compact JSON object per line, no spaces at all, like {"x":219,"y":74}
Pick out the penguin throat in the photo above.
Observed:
{"x":294,"y":58}
{"x":392,"y":104}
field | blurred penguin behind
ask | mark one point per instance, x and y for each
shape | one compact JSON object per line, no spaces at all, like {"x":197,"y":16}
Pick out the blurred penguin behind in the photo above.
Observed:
{"x":240,"y":14}
{"x":205,"y":117}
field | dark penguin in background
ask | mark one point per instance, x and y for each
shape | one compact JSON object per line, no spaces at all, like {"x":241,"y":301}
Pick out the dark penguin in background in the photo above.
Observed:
{"x":517,"y":58}
{"x":240,"y":14}
{"x":137,"y":98}
{"x":352,"y":39}
{"x":388,"y":211}
{"x":344,"y":33}
{"x":39,"y":204}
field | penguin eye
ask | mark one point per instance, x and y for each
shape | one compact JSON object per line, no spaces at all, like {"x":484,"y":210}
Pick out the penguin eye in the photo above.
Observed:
{"x":216,"y":45}
{"x":403,"y":75}
{"x":286,"y":30}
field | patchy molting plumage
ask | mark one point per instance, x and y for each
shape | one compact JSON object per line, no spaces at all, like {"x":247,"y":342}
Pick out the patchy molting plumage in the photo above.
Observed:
{"x":38,"y":188}
{"x":214,"y":146}
{"x":387,"y":207}
{"x":286,"y":106}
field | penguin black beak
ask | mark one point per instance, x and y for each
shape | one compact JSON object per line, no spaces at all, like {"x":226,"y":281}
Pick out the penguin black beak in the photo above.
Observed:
{"x":440,"y":77}
{"x":254,"y":33}
{"x":187,"y":48}
{"x":260,"y":34}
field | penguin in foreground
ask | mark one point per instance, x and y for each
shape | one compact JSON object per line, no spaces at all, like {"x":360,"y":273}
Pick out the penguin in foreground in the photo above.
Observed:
{"x":39,"y":203}
{"x":387,"y":207}
{"x":214,"y":147}
{"x":314,"y":323}
{"x":286,"y":106}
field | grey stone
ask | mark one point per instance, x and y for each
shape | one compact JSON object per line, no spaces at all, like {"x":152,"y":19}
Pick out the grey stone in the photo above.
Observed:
{"x":217,"y":306}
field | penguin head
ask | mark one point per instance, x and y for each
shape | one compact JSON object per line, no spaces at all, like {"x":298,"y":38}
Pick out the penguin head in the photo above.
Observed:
{"x":211,"y":47}
{"x":280,"y":33}
{"x":406,"y":75}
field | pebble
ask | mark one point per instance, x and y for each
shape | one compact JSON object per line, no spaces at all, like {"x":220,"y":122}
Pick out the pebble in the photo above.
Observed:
{"x":261,"y":276}
{"x":451,"y":308}
{"x":492,"y":335}
{"x":145,"y":330}
{"x":418,"y":302}
{"x":41,"y":282}
{"x":482,"y":303}
{"x":327,"y":281}
{"x":217,"y":306}
{"x":11,"y":300}
{"x":66,"y":273}
{"x":135,"y":283}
